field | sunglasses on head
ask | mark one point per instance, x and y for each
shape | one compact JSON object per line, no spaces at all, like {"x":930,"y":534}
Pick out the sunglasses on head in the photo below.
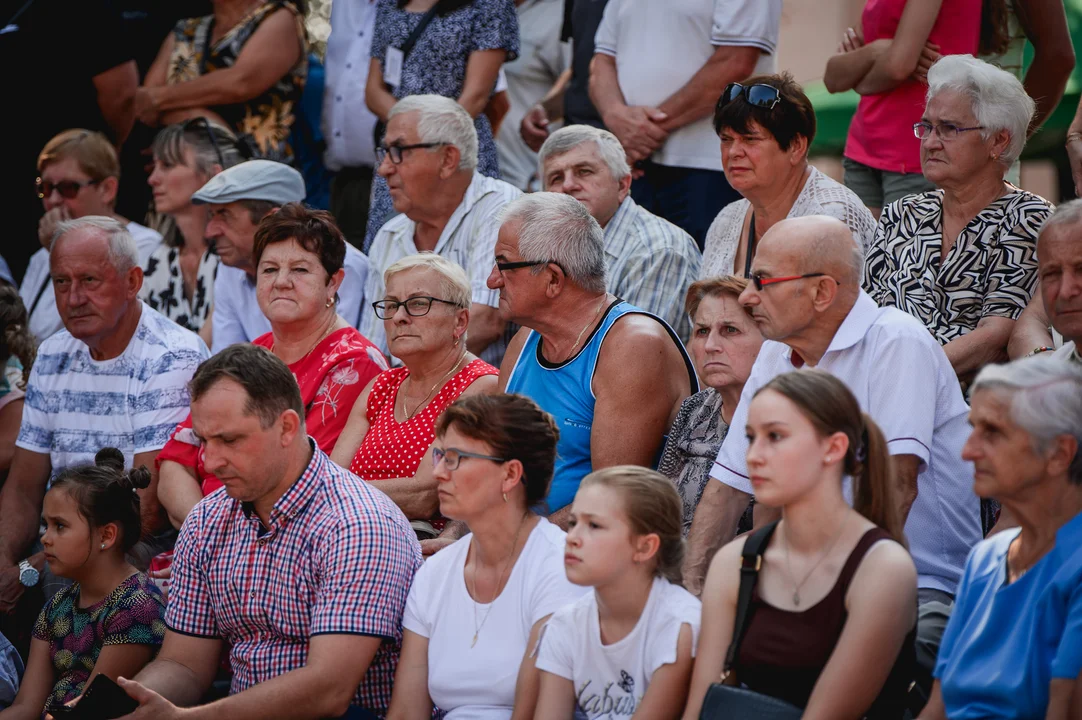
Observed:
{"x":764,"y":96}
{"x":68,"y":189}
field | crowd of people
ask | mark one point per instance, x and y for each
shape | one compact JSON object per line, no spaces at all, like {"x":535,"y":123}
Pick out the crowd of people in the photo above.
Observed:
{"x":270,"y":453}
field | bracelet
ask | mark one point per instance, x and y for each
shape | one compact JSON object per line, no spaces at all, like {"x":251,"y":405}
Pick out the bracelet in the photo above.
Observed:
{"x":1072,"y":136}
{"x":1039,"y":350}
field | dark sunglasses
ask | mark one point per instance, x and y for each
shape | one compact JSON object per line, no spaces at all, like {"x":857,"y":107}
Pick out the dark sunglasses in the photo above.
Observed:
{"x":764,"y":96}
{"x":68,"y":189}
{"x":761,"y":282}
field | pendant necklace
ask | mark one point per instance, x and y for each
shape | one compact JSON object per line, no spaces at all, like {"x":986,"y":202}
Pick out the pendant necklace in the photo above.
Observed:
{"x":789,"y":567}
{"x":503,"y":573}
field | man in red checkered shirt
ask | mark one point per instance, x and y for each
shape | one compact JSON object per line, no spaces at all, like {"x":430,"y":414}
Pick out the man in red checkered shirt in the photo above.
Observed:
{"x":300,"y":566}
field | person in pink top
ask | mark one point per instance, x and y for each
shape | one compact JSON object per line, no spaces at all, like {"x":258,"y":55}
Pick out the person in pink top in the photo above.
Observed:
{"x":886,"y":61}
{"x":389,"y":434}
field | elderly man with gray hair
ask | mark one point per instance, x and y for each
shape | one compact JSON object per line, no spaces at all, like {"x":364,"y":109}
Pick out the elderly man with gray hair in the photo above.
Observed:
{"x":613,"y":375}
{"x":429,"y":160}
{"x":651,"y":262}
{"x":115,"y":376}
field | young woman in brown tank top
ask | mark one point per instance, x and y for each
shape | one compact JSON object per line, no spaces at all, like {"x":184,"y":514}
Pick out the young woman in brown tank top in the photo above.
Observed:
{"x":834,"y":613}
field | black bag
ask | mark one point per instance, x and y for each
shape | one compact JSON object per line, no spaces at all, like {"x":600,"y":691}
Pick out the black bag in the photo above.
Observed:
{"x":722,"y":701}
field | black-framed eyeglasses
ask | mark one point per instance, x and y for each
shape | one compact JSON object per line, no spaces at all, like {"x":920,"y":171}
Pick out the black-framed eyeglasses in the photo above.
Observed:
{"x":761,"y":282}
{"x":764,"y":96}
{"x":68,"y":189}
{"x":505,"y":266}
{"x":452,"y":457}
{"x":946,"y":131}
{"x":395,"y":151}
{"x":415,"y":306}
{"x":202,"y":122}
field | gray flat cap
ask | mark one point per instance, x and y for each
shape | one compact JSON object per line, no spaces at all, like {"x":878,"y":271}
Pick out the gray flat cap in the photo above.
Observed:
{"x":253,"y":180}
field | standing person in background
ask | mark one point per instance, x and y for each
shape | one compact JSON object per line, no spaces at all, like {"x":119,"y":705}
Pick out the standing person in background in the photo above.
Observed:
{"x":348,"y":124}
{"x":657,"y":71}
{"x":458,"y":55}
{"x":887,"y":63}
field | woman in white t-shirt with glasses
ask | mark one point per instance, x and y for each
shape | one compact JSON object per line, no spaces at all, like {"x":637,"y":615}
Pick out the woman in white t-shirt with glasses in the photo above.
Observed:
{"x":477,"y":606}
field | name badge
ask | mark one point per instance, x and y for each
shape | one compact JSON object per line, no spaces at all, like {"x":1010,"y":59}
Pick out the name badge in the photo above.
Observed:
{"x":392,"y":67}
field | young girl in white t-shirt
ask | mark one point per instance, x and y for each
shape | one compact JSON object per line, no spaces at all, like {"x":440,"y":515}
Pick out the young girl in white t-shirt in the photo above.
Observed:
{"x":626,"y":649}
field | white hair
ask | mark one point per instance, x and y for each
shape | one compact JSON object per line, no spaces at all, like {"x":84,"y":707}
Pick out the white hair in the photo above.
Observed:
{"x":559,"y":229}
{"x":998,"y":99}
{"x":570,"y":137}
{"x":1045,"y":399}
{"x":1069,"y":213}
{"x":123,"y":252}
{"x":454,"y":283}
{"x":442,"y":120}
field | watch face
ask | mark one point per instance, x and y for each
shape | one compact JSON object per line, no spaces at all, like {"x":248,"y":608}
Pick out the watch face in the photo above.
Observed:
{"x":28,"y":576}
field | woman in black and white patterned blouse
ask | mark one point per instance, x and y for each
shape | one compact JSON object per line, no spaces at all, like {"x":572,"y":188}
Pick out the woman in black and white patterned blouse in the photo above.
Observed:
{"x":179,"y":277}
{"x":962,"y":258}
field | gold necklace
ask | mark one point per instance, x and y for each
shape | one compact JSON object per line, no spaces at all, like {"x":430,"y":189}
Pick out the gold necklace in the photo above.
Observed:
{"x":588,"y":325}
{"x":439,"y":383}
{"x":506,"y":565}
{"x":789,"y":567}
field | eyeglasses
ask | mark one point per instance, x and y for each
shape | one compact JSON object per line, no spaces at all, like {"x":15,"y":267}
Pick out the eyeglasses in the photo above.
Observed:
{"x":67,"y":188}
{"x":395,"y":151}
{"x":505,"y":266}
{"x":452,"y":457}
{"x":202,"y":122}
{"x":761,"y":282}
{"x":415,"y":306}
{"x":946,"y":131}
{"x":764,"y":96}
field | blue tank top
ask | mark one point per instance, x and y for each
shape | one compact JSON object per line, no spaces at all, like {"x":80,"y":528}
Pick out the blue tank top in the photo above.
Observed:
{"x":565,"y":391}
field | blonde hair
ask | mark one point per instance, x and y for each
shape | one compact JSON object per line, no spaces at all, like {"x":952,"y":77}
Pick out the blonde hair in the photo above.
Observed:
{"x":652,"y":506}
{"x":712,"y":287}
{"x":93,"y":152}
{"x":454,"y":284}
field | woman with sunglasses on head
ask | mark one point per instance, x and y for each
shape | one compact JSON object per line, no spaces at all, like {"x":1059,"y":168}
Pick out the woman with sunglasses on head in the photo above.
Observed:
{"x":475,"y":610}
{"x":179,"y":277}
{"x":388,"y":438}
{"x":766,"y":125}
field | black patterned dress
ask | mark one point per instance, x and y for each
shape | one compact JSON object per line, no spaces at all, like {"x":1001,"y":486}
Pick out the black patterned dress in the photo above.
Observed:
{"x":263,"y":123}
{"x":163,"y":287}
{"x":692,"y":447}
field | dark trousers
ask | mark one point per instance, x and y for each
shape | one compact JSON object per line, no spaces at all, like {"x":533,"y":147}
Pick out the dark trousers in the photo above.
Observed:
{"x":351,"y":189}
{"x":686,"y":197}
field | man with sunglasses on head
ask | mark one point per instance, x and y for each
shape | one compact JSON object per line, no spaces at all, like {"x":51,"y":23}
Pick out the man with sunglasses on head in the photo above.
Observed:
{"x":429,"y":159}
{"x":78,"y":175}
{"x":806,"y":298}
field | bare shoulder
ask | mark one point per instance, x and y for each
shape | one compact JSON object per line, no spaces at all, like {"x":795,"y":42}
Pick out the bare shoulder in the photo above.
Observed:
{"x":642,"y":338}
{"x":886,"y":569}
{"x":510,"y":356}
{"x":723,"y":575}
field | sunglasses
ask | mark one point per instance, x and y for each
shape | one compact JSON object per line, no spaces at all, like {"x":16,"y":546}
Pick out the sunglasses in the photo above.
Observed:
{"x":764,"y":96}
{"x":761,"y":282}
{"x":202,"y":122}
{"x":68,"y":189}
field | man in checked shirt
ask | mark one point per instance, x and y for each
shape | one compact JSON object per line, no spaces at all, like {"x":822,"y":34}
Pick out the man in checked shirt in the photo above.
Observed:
{"x":300,"y":566}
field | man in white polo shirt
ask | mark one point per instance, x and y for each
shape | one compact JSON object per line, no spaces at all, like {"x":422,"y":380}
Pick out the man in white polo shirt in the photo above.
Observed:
{"x":806,"y":299}
{"x":657,"y":73}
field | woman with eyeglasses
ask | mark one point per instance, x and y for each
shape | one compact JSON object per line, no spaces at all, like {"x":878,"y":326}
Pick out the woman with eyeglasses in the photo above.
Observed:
{"x":475,"y":610}
{"x":766,"y":125}
{"x":388,"y":439}
{"x":178,"y":280}
{"x":962,"y":258}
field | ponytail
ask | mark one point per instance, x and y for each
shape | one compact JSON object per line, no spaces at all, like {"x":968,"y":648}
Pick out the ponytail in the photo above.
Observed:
{"x":875,"y":495}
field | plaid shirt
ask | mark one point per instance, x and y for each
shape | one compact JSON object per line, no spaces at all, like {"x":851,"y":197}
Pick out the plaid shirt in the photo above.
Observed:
{"x":651,"y":264}
{"x":338,"y":558}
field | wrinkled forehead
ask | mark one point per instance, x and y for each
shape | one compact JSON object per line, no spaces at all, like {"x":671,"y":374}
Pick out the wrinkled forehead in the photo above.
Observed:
{"x":776,"y":258}
{"x":507,"y":239}
{"x":82,"y":246}
{"x":1060,"y":243}
{"x":402,"y":129}
{"x":586,"y":153}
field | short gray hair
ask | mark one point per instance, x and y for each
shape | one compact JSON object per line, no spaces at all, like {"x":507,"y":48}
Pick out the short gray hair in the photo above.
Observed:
{"x":998,"y":99}
{"x":1045,"y":399}
{"x":570,"y":137}
{"x":454,"y":283}
{"x":442,"y":120}
{"x":1069,"y":213}
{"x":123,"y":252}
{"x":558,"y":228}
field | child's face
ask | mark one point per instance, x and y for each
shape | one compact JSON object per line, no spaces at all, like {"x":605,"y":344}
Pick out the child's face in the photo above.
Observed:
{"x":600,"y":545}
{"x":67,"y":534}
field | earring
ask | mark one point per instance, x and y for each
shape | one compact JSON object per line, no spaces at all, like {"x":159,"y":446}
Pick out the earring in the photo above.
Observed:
{"x":505,"y":497}
{"x":329,"y":303}
{"x":103,"y":546}
{"x":456,"y":340}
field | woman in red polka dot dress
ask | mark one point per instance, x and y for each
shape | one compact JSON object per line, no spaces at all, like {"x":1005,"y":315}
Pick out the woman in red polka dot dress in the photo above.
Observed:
{"x":388,"y":437}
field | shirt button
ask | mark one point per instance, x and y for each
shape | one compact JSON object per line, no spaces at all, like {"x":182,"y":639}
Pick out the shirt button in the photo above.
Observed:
{"x":349,"y":66}
{"x":252,"y":595}
{"x":338,"y":133}
{"x":338,"y":98}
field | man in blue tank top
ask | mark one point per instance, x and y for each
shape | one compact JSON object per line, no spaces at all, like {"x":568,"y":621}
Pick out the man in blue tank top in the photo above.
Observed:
{"x":611,"y":374}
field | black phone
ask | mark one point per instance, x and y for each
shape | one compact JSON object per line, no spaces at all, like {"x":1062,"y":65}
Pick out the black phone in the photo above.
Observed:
{"x":102,"y":699}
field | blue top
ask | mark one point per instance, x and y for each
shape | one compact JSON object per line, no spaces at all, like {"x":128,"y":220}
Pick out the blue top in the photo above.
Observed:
{"x":1004,"y":643}
{"x":565,"y":391}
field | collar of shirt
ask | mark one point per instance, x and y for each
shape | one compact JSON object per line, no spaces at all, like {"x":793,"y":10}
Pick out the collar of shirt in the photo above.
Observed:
{"x":297,"y":497}
{"x":476,"y":190}
{"x":616,"y":230}
{"x":853,"y":329}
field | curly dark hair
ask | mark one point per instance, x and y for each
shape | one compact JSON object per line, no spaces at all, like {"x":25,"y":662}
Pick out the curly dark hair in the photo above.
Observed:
{"x":314,"y":230}
{"x":15,"y":338}
{"x":793,"y":116}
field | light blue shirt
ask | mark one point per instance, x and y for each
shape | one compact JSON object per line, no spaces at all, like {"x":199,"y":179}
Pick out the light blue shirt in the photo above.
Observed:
{"x":1004,"y":643}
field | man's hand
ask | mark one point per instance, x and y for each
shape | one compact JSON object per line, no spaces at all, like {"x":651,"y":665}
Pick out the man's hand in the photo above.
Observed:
{"x":10,"y":588}
{"x":49,"y":221}
{"x":152,"y":706}
{"x":638,"y":130}
{"x":1074,"y":155}
{"x":147,"y":100}
{"x":535,"y":127}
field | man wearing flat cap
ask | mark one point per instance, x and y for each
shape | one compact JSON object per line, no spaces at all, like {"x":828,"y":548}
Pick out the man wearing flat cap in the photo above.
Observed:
{"x":239,"y":198}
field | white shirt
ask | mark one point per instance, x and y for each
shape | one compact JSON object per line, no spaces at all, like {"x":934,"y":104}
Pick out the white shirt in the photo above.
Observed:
{"x":478,"y":683}
{"x":1067,"y":352}
{"x":348,"y":124}
{"x":611,"y":680}
{"x":468,"y":238}
{"x":541,"y":60}
{"x":660,"y":45}
{"x":76,"y":405}
{"x":237,"y":317}
{"x":902,"y":378}
{"x":44,"y":317}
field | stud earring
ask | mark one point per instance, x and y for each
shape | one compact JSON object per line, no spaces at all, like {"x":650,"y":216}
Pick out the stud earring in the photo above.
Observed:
{"x":103,"y":546}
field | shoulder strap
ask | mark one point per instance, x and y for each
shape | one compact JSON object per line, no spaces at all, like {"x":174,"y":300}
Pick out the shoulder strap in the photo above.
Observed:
{"x":414,"y":36}
{"x":751,"y":559}
{"x":751,"y":246}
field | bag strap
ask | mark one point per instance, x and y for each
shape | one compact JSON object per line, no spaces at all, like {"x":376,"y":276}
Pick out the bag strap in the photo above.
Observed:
{"x":429,"y":16}
{"x":751,"y":559}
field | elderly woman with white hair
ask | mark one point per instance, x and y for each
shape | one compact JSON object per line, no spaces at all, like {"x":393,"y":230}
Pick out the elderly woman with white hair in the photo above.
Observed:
{"x":1013,"y":646}
{"x":388,"y":438}
{"x":962,"y":258}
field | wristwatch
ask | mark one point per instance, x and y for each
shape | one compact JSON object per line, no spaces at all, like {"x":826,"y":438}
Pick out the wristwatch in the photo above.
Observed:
{"x":28,"y":576}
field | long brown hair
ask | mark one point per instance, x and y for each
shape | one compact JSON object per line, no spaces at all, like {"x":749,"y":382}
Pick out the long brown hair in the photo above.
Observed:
{"x":830,"y":407}
{"x":995,"y":27}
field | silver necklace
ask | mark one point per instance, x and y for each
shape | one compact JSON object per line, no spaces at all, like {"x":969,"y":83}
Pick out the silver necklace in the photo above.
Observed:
{"x":789,"y":567}
{"x":507,"y":563}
